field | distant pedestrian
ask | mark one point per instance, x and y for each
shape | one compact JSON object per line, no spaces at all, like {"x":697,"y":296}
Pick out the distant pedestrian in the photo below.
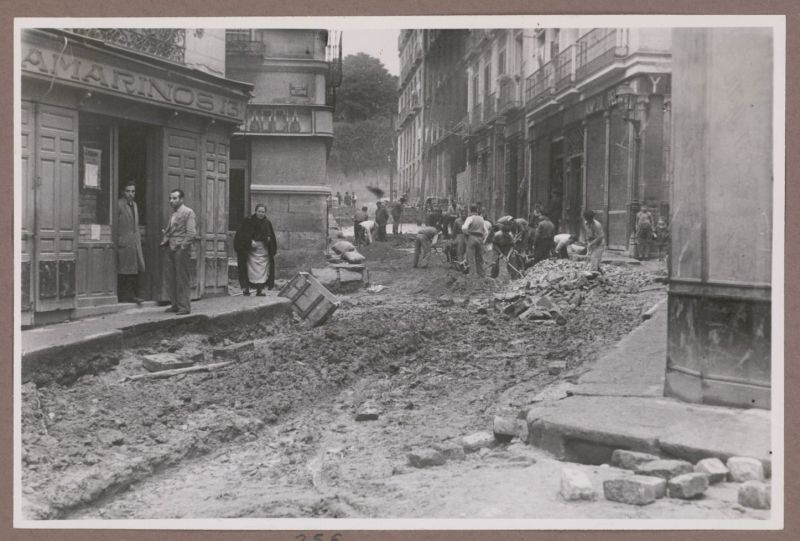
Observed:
{"x":595,"y":239}
{"x":381,"y":218}
{"x":338,"y":199}
{"x":461,"y":237}
{"x":130,"y":259}
{"x":474,"y":230}
{"x":644,"y":232}
{"x":662,"y":238}
{"x":255,"y":246}
{"x":178,"y":238}
{"x":396,"y":211}
{"x":543,"y":239}
{"x":562,"y":241}
{"x":358,"y":231}
{"x":347,"y":199}
{"x":354,"y":201}
{"x":426,"y":237}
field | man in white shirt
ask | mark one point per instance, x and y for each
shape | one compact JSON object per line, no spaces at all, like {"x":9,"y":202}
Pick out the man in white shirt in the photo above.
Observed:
{"x":562,"y":240}
{"x":426,"y":237}
{"x":475,"y":231}
{"x":369,"y":227}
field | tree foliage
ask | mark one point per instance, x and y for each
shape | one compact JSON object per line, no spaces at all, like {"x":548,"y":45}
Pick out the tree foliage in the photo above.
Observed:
{"x":367,"y":91}
{"x":365,"y":105}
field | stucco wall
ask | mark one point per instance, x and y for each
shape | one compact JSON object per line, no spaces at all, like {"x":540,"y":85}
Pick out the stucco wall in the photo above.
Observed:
{"x":288,"y":161}
{"x":722,"y":166}
{"x":205,"y":50}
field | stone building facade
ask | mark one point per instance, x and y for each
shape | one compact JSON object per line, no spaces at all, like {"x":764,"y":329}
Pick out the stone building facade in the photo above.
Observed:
{"x":279,"y":155}
{"x":103,"y":107}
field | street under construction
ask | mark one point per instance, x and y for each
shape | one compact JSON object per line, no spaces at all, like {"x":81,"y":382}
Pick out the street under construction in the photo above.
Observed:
{"x":409,"y":401}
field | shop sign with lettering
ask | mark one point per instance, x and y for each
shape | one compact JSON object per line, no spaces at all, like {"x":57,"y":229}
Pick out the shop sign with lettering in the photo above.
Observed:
{"x":121,"y":81}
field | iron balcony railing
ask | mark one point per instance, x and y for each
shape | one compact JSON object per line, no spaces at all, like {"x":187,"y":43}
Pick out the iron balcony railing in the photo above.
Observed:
{"x":167,"y":43}
{"x":564,"y":68}
{"x":598,"y":48}
{"x":595,"y":50}
{"x":540,"y":84}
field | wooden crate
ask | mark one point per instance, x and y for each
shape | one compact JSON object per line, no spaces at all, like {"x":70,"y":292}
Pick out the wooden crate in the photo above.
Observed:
{"x":310,"y":299}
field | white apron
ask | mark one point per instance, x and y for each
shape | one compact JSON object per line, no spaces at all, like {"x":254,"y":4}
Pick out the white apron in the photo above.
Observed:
{"x":257,"y":264}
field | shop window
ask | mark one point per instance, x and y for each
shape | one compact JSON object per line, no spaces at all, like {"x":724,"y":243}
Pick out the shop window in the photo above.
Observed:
{"x":94,"y":135}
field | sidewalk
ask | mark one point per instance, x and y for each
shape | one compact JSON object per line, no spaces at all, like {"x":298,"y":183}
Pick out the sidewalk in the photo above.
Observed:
{"x":618,"y":404}
{"x":68,"y":342}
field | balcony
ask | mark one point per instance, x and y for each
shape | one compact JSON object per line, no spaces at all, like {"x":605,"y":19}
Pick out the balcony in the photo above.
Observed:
{"x":539,"y":86}
{"x":414,"y":105}
{"x":166,"y":43}
{"x":593,"y":51}
{"x":509,"y":96}
{"x":565,"y":68}
{"x":245,"y":48}
{"x":597,"y":49}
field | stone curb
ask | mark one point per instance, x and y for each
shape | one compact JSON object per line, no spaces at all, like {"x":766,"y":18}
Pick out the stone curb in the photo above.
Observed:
{"x":117,"y":339}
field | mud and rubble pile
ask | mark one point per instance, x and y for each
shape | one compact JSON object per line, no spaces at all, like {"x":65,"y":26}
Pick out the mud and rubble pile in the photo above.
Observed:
{"x":554,"y":288}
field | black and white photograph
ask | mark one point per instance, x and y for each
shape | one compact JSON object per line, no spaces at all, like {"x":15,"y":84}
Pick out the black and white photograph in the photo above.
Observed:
{"x":449,"y":272}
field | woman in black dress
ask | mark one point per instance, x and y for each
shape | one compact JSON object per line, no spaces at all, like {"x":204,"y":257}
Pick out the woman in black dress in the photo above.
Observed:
{"x":255,"y":247}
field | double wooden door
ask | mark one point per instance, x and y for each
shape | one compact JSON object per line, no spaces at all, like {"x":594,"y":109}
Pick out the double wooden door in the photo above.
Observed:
{"x":49,"y":194}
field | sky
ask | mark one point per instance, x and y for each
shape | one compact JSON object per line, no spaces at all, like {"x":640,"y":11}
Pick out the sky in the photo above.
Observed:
{"x":381,"y":44}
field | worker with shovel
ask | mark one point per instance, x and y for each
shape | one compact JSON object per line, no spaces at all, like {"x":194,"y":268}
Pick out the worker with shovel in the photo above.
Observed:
{"x":503,"y":244}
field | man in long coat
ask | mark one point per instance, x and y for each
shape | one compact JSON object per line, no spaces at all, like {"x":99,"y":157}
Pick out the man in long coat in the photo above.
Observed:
{"x":130,"y":260}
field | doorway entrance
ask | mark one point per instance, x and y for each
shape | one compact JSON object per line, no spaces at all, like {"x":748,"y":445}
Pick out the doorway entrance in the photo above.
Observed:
{"x":573,"y":198}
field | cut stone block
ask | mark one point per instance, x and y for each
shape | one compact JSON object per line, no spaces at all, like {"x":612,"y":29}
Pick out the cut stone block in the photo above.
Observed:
{"x":425,"y":458}
{"x":634,"y":490}
{"x":688,"y":485}
{"x":243,"y":351}
{"x":666,"y":469}
{"x":755,"y":494}
{"x":576,"y":485}
{"x":450,"y":450}
{"x":630,"y":460}
{"x":164,"y":361}
{"x":477,"y":441}
{"x":506,"y":429}
{"x":744,"y":469}
{"x":713,"y":468}
{"x":193,"y":354}
{"x":659,"y":485}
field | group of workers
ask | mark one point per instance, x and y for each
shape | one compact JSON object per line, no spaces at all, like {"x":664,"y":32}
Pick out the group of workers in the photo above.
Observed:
{"x":518,"y":242}
{"x":515,"y":241}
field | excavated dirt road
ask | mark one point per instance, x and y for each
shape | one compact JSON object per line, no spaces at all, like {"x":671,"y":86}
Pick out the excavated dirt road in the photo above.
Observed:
{"x":277,"y":436}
